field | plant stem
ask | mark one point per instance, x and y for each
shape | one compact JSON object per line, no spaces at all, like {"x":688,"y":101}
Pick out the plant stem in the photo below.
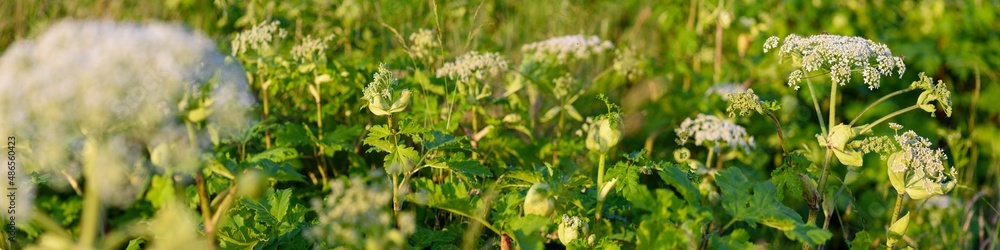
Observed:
{"x":869,"y":126}
{"x":872,"y":105}
{"x":711,"y":157}
{"x":895,"y":216}
{"x":781,"y":134}
{"x":819,"y":113}
{"x":600,"y":185}
{"x":91,"y":213}
{"x":833,"y":107}
{"x":600,"y":171}
{"x":206,"y":212}
{"x":897,"y":208}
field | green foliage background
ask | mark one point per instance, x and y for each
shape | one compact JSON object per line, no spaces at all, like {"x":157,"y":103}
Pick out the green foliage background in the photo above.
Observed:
{"x":689,"y":46}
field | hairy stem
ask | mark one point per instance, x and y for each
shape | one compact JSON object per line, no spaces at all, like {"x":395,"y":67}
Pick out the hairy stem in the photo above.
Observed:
{"x":895,"y":216}
{"x":781,"y":134}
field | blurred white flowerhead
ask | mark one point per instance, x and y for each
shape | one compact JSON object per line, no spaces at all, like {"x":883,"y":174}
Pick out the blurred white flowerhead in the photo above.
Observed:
{"x":356,"y":215}
{"x":709,"y":130}
{"x":422,"y":44}
{"x":474,"y":66}
{"x":258,"y":38}
{"x":99,"y":96}
{"x":565,"y":48}
{"x":725,"y":89}
{"x":838,"y":56}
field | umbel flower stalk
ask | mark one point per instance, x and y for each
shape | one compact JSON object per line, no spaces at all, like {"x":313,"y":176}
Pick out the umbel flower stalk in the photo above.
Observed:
{"x":113,"y":91}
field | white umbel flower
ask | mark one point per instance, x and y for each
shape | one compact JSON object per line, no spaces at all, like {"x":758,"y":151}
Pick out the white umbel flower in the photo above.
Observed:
{"x":422,"y":44}
{"x":566,"y":47}
{"x":838,"y":55}
{"x":712,"y":131}
{"x":258,"y":37}
{"x":473,"y":66}
{"x":918,"y":170}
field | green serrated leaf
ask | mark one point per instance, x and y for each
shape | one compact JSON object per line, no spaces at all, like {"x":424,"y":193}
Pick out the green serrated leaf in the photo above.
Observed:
{"x":278,"y":172}
{"x":161,"y":191}
{"x":463,"y":166}
{"x":292,"y":135}
{"x":439,"y":139}
{"x":379,"y":132}
{"x":678,"y":179}
{"x":135,"y":244}
{"x":275,"y":154}
{"x":760,"y":205}
{"x":862,"y":241}
{"x":808,"y":234}
{"x":526,"y":230}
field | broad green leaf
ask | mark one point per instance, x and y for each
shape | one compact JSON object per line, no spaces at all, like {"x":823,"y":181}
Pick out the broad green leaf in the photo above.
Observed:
{"x":808,"y":234}
{"x":292,"y":135}
{"x":275,"y":154}
{"x":526,"y":230}
{"x":161,"y":191}
{"x":738,"y":239}
{"x":135,"y":244}
{"x":678,"y":179}
{"x":463,"y":166}
{"x":760,"y":205}
{"x":438,"y":139}
{"x":862,"y":241}
{"x":278,"y":172}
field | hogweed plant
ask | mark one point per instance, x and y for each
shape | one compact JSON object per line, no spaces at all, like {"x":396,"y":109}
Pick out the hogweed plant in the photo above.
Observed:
{"x":472,"y":71}
{"x":839,"y":57}
{"x":602,"y":134}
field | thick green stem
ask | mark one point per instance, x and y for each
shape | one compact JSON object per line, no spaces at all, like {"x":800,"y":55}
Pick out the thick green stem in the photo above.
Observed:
{"x":869,"y":126}
{"x":600,"y":185}
{"x":815,"y":101}
{"x":600,"y":171}
{"x":92,"y":210}
{"x":898,"y":208}
{"x":833,"y":107}
{"x":711,"y":157}
{"x":895,"y":216}
{"x":872,"y":105}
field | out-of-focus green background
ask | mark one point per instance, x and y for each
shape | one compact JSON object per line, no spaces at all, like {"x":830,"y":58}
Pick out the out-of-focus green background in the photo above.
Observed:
{"x":690,"y":45}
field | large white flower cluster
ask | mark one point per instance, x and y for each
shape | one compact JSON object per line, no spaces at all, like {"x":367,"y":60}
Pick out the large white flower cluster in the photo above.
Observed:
{"x":839,"y":55}
{"x":566,"y":47}
{"x":707,"y":129}
{"x":100,"y":95}
{"x":473,"y":66}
